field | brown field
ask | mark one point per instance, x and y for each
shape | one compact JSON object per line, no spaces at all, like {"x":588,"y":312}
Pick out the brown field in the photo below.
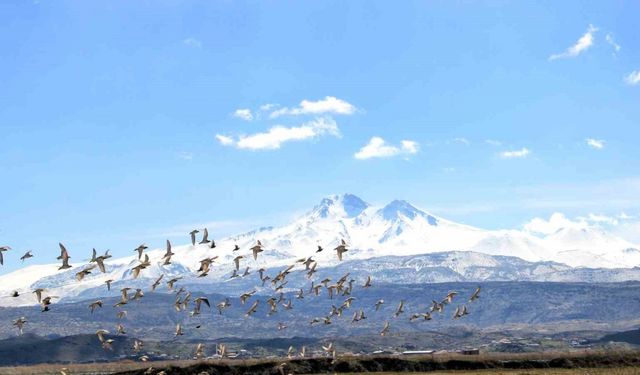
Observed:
{"x":555,"y":363}
{"x":592,"y":371}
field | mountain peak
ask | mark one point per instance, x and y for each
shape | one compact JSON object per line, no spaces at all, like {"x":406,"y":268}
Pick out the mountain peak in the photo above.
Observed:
{"x":394,"y":209}
{"x":343,"y":205}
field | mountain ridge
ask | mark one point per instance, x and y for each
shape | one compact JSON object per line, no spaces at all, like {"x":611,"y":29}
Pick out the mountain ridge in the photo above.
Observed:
{"x":372,"y":232}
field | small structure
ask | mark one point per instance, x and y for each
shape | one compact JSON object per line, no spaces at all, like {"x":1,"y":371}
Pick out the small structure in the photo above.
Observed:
{"x":418,"y":352}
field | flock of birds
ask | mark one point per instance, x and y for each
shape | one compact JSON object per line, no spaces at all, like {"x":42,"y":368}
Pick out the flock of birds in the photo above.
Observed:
{"x":185,"y":301}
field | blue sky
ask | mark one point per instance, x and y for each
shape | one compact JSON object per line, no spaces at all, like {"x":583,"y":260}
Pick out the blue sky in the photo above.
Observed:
{"x":480,"y":113}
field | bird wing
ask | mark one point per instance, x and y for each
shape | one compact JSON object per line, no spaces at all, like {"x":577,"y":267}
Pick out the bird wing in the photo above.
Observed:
{"x":101,"y":265}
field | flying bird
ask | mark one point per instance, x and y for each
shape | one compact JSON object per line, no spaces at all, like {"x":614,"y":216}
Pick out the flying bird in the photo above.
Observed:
{"x":2,"y":250}
{"x":171,"y":282}
{"x":168,"y":254}
{"x":341,"y":249}
{"x":137,"y":345}
{"x":156,"y":283}
{"x":223,"y":305}
{"x":106,"y":343}
{"x":193,"y":236}
{"x":124,"y":297}
{"x":253,"y":308}
{"x":26,"y":255}
{"x":449,"y":297}
{"x":205,"y":236}
{"x":368,"y":282}
{"x":99,"y":260}
{"x":475,"y":295}
{"x":245,"y":296}
{"x":256,"y":249}
{"x":140,"y":249}
{"x":19,"y":323}
{"x":400,"y":308}
{"x":64,"y":256}
{"x":120,"y":329}
{"x":385,"y":329}
{"x":199,"y":301}
{"x":236,"y":260}
{"x":199,"y":351}
{"x":379,"y":303}
{"x":80,"y":275}
{"x":38,"y":293}
{"x":95,"y":305}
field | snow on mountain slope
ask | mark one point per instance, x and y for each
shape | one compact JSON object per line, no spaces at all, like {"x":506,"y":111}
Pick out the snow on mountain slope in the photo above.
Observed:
{"x":396,"y":229}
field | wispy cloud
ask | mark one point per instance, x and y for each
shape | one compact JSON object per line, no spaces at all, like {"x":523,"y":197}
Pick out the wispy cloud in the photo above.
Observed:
{"x":599,"y":218}
{"x":184,"y":155}
{"x":192,"y":42}
{"x":612,"y":43}
{"x":224,"y":140}
{"x":559,"y":221}
{"x":522,"y":153}
{"x":584,"y":43}
{"x":633,"y":78}
{"x":378,"y":148}
{"x":462,"y":140}
{"x":277,"y":135}
{"x":603,"y":196}
{"x":243,"y":114}
{"x":493,"y":142}
{"x":556,"y":221}
{"x":598,"y":144}
{"x":329,"y":104}
{"x":268,"y":107}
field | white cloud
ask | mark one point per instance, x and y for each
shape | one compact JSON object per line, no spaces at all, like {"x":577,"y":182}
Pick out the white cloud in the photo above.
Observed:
{"x":224,"y":140}
{"x":278,"y":135}
{"x":329,"y":104}
{"x":462,"y":140}
{"x":598,"y":144}
{"x":268,"y":107}
{"x":624,"y":216}
{"x":596,"y":218}
{"x":630,"y":231}
{"x":556,"y":221}
{"x":378,"y":148}
{"x":243,"y":114}
{"x":612,"y":43}
{"x":192,"y":42}
{"x":632,"y":78}
{"x":584,"y":43}
{"x":493,"y":142}
{"x":522,"y":153}
{"x":185,"y":155}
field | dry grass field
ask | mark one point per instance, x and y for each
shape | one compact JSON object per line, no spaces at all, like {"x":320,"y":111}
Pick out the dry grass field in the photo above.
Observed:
{"x":591,"y":371}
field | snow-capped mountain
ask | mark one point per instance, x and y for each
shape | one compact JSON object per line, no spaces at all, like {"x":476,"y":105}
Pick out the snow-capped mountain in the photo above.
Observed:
{"x":397,"y":229}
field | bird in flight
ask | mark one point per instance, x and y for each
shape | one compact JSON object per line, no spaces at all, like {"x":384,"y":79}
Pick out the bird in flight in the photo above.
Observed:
{"x":64,"y":256}
{"x":2,"y":250}
{"x":205,"y":237}
{"x":26,"y":255}
{"x":341,"y":249}
{"x":193,"y":236}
